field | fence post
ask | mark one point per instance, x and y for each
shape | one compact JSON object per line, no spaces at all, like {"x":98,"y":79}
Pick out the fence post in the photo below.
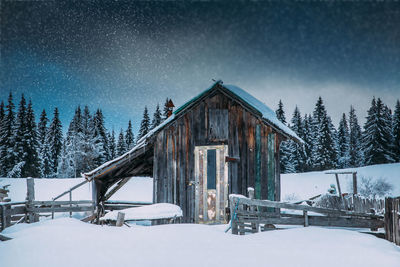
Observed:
{"x":70,"y":199}
{"x":234,"y":223}
{"x":120,"y":219}
{"x":354,"y":183}
{"x":30,"y":197}
{"x":254,"y":226}
{"x":305,"y":213}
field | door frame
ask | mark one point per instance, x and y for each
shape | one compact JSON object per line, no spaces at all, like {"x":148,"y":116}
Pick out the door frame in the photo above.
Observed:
{"x":221,"y":151}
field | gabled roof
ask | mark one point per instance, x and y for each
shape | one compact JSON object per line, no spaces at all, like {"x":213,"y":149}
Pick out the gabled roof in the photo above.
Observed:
{"x":267,"y":114}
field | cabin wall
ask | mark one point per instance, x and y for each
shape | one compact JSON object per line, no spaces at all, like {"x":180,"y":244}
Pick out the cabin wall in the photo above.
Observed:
{"x":247,"y":139}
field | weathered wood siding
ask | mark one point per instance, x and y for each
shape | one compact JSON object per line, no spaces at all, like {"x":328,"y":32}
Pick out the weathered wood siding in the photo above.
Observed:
{"x":247,"y":139}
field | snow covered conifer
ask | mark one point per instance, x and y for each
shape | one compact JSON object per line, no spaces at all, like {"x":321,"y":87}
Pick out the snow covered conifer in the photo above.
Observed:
{"x":308,"y":142}
{"x":396,"y":131}
{"x":55,"y":142}
{"x":100,"y":138}
{"x":343,"y":143}
{"x":355,"y":139}
{"x":156,"y":117}
{"x":121,"y":145}
{"x":145,"y":124}
{"x":296,"y":151}
{"x":7,"y":144}
{"x":377,"y":135}
{"x":31,"y":156}
{"x":112,"y":144}
{"x":19,"y":134}
{"x":44,"y":150}
{"x":280,"y":113}
{"x":324,"y":143}
{"x":129,"y":137}
{"x":284,"y":148}
{"x":165,"y":110}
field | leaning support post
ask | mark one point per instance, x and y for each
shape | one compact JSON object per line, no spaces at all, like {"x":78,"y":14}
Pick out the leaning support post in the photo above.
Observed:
{"x":30,"y":197}
{"x":305,"y":213}
{"x":338,"y":184}
{"x":120,"y":219}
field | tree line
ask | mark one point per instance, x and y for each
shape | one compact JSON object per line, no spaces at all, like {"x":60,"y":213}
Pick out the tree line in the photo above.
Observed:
{"x":326,"y":147}
{"x":28,"y":149}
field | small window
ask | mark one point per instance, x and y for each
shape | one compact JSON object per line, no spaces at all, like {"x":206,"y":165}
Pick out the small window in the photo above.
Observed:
{"x":211,"y":168}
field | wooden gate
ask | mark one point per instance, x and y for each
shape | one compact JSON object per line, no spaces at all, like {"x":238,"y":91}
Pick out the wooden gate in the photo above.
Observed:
{"x":211,"y":172}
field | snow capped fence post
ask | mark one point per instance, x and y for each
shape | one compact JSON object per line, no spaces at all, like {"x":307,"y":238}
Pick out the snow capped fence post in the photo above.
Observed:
{"x":120,"y":219}
{"x":30,"y":197}
{"x":254,"y":226}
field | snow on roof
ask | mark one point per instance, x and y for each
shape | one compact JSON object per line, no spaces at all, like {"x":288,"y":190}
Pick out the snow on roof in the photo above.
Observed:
{"x":266,"y":112}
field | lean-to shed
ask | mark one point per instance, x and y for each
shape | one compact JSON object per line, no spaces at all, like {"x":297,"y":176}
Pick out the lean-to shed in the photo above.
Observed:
{"x":220,"y":142}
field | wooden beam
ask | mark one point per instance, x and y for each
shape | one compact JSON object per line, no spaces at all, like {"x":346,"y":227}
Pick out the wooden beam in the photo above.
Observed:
{"x":116,"y":188}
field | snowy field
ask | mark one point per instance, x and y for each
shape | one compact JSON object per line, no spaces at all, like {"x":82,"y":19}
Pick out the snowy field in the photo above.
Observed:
{"x":138,"y":189}
{"x":299,"y":186}
{"x":69,"y":242}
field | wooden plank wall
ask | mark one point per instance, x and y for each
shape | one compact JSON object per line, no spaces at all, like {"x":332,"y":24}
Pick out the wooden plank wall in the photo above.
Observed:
{"x":173,"y":169}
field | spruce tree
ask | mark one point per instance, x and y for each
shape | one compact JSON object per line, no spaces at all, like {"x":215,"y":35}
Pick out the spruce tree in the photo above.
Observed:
{"x":296,"y":151}
{"x":280,"y":113}
{"x":157,"y":119}
{"x":396,"y":132}
{"x":377,"y":136}
{"x":129,"y":137}
{"x":324,"y":143}
{"x":100,"y":138}
{"x":55,"y":142}
{"x":32,"y":148}
{"x":113,"y":146}
{"x":2,"y":114}
{"x":19,"y":135}
{"x":165,"y":110}
{"x":145,"y":124}
{"x":44,"y":151}
{"x":2,"y":121}
{"x":308,"y":142}
{"x":355,"y":137}
{"x":284,"y":147}
{"x":121,"y":145}
{"x":343,"y":143}
{"x":89,"y":153}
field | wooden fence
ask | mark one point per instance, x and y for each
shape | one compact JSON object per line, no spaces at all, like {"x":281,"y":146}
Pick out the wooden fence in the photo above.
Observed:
{"x":30,"y":210}
{"x":392,"y":220}
{"x":248,"y":214}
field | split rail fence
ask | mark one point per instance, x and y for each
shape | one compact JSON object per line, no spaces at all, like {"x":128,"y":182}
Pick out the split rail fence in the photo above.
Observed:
{"x":249,"y":214}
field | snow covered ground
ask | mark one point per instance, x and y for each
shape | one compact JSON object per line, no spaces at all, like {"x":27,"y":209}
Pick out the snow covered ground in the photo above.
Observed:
{"x":138,"y":189}
{"x":299,"y":186}
{"x":69,"y":242}
{"x":148,"y":212}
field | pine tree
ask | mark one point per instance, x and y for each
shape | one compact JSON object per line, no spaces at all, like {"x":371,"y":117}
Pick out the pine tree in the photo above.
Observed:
{"x":113,"y":146}
{"x":343,"y":143}
{"x":2,"y":114}
{"x":55,"y":142}
{"x":121,"y":145}
{"x":100,"y":138}
{"x":129,"y":137}
{"x":31,"y":157}
{"x":2,"y":143}
{"x":297,"y":156}
{"x":19,"y":135}
{"x":377,"y":136}
{"x":156,"y":118}
{"x":355,"y":136}
{"x":88,"y":150}
{"x":145,"y":124}
{"x":280,"y":113}
{"x":308,"y":142}
{"x":44,"y":151}
{"x":324,"y":155}
{"x":165,"y":110}
{"x":396,"y":132}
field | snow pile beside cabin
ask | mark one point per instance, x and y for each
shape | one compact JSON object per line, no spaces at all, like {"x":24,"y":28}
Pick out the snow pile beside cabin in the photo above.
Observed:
{"x":150,"y":212}
{"x":300,"y":186}
{"x":69,"y":242}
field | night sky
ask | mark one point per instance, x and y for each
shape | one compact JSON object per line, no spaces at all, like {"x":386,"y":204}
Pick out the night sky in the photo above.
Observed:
{"x":121,"y":56}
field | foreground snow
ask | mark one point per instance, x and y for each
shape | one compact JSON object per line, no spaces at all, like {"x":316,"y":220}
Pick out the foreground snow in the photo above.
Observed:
{"x":150,"y":212}
{"x":299,"y":186}
{"x":69,"y":242}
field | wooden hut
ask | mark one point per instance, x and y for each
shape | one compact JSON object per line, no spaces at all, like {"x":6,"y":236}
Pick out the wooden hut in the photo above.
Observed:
{"x":220,"y":142}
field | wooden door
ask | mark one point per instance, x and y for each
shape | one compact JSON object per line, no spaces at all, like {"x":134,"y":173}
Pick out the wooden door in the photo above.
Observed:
{"x":211,"y":172}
